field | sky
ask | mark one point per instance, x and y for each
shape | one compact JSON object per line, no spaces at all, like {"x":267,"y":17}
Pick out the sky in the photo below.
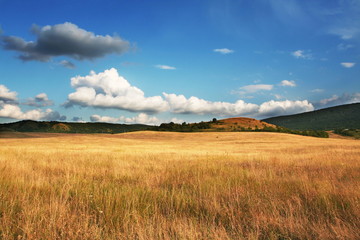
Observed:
{"x":157,"y":61}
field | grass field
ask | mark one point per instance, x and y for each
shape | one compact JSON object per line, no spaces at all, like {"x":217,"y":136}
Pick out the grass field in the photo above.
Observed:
{"x":159,"y":185}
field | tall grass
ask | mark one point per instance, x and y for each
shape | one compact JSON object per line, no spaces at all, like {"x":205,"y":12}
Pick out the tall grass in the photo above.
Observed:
{"x":179,"y":186}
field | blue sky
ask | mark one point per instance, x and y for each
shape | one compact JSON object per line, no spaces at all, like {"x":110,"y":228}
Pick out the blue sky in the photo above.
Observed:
{"x":160,"y":61}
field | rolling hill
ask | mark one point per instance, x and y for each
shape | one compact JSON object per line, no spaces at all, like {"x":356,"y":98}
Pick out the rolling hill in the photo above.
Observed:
{"x":71,"y":127}
{"x":338,"y":117}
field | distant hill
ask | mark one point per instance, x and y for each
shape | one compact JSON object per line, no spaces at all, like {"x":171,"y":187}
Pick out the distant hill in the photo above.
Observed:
{"x":240,"y":123}
{"x":71,"y":127}
{"x":339,"y":117}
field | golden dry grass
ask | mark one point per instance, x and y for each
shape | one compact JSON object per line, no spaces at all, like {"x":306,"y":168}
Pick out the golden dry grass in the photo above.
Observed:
{"x":150,"y":185}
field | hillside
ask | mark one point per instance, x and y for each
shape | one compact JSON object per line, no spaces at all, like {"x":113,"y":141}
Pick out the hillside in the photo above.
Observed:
{"x":70,"y":127}
{"x":339,"y":117}
{"x":240,"y":123}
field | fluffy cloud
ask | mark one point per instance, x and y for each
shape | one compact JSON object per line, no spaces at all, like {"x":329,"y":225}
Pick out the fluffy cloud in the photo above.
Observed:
{"x":40,"y":100}
{"x":14,"y":112}
{"x":165,"y":67}
{"x":223,"y":50}
{"x":277,"y":108}
{"x":110,"y":90}
{"x":288,"y":83}
{"x":194,"y":105}
{"x":9,"y":107}
{"x":347,"y":64}
{"x":301,"y":54}
{"x":142,"y":118}
{"x":65,"y":39}
{"x":338,"y":100}
{"x":6,"y":95}
{"x":180,"y":104}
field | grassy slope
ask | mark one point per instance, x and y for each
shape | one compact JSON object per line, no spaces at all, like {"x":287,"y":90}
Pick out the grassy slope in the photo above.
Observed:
{"x":339,"y":117}
{"x":159,"y":185}
{"x":71,"y":127}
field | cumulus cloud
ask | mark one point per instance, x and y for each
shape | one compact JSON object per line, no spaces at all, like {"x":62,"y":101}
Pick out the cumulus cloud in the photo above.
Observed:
{"x":14,"y":112}
{"x":347,"y":64}
{"x":40,"y":100}
{"x":301,"y":54}
{"x":65,"y":39}
{"x":67,"y":64}
{"x":165,"y":67}
{"x":223,"y":50}
{"x":334,"y":100}
{"x":180,"y":104}
{"x":142,"y":118}
{"x":288,"y":83}
{"x":194,"y":105}
{"x":6,"y":95}
{"x":9,"y":107}
{"x":110,"y":90}
{"x":277,"y":108}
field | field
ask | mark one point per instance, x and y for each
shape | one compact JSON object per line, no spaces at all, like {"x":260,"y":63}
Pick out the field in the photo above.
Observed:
{"x":160,"y":185}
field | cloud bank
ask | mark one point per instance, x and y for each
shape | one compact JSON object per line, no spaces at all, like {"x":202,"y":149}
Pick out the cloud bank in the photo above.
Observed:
{"x":9,"y":107}
{"x":65,"y":39}
{"x":110,"y":90}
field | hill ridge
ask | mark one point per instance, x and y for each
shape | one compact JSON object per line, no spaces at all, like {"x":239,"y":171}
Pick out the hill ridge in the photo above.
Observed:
{"x":345,"y":116}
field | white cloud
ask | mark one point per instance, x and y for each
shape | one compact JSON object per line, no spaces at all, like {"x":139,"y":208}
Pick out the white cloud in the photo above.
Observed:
{"x":223,"y":50}
{"x":256,"y":88}
{"x":277,"y":108}
{"x":180,"y":104}
{"x":6,"y":95}
{"x":288,"y":83}
{"x":347,"y":64}
{"x":141,"y":118}
{"x":40,"y":100}
{"x":301,"y":54}
{"x":194,"y":105}
{"x":110,"y":90}
{"x":9,"y":107}
{"x":165,"y":67}
{"x":14,"y":112}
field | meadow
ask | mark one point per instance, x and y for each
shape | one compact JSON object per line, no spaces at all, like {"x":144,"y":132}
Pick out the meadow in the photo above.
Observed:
{"x":161,"y":185}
